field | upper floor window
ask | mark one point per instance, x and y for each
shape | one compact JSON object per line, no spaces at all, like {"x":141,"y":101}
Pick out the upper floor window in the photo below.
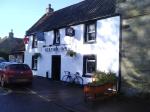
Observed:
{"x":34,"y":62}
{"x":34,"y":42}
{"x":90,"y":32}
{"x":56,"y":37}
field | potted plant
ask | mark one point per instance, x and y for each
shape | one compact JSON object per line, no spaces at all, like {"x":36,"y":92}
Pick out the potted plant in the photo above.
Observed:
{"x":101,"y":82}
{"x":71,"y":53}
{"x":101,"y":78}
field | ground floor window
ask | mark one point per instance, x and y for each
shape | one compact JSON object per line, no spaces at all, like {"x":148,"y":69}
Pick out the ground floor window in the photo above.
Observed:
{"x":89,"y":65}
{"x":34,"y":62}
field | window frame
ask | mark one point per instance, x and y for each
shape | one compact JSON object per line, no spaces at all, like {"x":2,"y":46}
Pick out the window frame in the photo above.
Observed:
{"x":87,"y":32}
{"x":34,"y":62}
{"x":56,"y":35}
{"x":89,"y":58}
{"x":34,"y":42}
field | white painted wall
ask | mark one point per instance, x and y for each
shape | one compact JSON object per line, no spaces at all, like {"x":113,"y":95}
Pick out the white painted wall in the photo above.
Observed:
{"x":108,"y":44}
{"x":106,"y":48}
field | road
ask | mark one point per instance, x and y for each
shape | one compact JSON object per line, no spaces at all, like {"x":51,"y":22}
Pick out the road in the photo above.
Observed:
{"x":46,"y":95}
{"x":24,"y":98}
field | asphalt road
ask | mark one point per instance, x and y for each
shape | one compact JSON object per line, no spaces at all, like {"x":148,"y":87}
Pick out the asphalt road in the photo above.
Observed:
{"x":24,"y":98}
{"x":51,"y":96}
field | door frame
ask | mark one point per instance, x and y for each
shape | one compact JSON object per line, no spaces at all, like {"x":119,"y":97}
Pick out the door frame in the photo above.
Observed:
{"x":56,"y":67}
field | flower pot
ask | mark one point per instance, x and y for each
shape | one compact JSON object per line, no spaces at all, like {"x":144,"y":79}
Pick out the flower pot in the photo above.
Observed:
{"x":91,"y":91}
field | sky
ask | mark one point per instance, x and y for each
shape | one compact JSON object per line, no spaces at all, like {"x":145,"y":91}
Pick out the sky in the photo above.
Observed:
{"x":20,"y":15}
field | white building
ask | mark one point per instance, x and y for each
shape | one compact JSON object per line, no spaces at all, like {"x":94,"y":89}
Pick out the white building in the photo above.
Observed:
{"x":90,"y":29}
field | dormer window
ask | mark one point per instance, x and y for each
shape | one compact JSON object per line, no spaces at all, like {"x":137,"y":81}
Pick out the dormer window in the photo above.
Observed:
{"x":90,"y":32}
{"x":56,"y":37}
{"x":34,"y":42}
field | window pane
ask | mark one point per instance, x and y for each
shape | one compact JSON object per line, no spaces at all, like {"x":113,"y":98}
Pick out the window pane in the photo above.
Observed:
{"x":91,"y":36}
{"x":34,"y":63}
{"x":91,"y":28}
{"x":18,"y":67}
{"x":57,"y":37}
{"x":91,"y":32}
{"x":91,"y":65}
{"x":35,"y":41}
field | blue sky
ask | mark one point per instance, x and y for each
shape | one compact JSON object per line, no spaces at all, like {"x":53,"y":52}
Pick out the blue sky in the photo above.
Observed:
{"x":20,"y":15}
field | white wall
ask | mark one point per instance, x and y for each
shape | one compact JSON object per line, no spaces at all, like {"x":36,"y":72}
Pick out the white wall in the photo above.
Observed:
{"x":106,"y":48}
{"x":108,"y":44}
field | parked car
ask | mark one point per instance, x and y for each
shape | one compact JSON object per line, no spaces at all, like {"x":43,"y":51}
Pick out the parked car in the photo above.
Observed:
{"x":2,"y":60}
{"x":15,"y":73}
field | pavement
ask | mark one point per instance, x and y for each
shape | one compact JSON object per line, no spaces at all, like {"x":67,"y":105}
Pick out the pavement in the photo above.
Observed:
{"x":46,"y":95}
{"x":72,"y":98}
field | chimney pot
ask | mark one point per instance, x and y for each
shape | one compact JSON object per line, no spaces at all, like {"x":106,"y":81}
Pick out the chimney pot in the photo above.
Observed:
{"x":49,"y":10}
{"x":11,"y":34}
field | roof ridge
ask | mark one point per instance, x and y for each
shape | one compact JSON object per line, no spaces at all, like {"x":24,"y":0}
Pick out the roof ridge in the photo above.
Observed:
{"x":70,"y":6}
{"x":82,"y":11}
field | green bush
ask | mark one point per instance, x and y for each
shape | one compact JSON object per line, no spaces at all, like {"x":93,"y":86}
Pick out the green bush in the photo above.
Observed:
{"x":101,"y":78}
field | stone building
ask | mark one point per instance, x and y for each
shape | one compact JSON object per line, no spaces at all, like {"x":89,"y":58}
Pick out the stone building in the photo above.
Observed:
{"x":13,"y":48}
{"x":135,"y":61}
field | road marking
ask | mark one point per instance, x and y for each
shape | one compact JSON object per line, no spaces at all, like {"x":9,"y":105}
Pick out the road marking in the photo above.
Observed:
{"x":35,"y":93}
{"x":70,"y":109}
{"x":5,"y":91}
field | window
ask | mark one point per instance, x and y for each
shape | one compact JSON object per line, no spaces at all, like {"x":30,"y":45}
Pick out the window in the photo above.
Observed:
{"x":18,"y":67}
{"x":56,"y":37}
{"x":34,"y":42}
{"x":89,"y":65}
{"x":34,"y":62}
{"x":90,"y":32}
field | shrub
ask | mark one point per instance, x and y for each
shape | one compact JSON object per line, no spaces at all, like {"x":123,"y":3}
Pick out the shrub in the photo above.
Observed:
{"x":100,"y":78}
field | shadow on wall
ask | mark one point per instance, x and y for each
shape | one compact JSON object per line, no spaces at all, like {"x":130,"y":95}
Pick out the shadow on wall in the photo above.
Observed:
{"x":136,"y":56}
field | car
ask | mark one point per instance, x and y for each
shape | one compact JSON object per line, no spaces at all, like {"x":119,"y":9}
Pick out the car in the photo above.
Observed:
{"x":2,"y":60}
{"x":15,"y":73}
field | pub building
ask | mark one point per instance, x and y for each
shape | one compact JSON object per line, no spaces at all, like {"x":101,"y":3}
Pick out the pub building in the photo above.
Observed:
{"x":83,"y":38}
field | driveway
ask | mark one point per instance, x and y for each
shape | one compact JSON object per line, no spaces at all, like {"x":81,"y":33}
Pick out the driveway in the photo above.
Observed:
{"x":46,"y":95}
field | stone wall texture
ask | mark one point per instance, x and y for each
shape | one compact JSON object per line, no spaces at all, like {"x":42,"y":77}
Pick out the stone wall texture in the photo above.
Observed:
{"x":135,"y":59}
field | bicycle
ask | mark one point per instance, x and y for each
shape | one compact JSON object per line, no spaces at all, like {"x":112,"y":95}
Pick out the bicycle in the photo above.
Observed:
{"x":78,"y":79}
{"x":72,"y":78}
{"x":67,"y":78}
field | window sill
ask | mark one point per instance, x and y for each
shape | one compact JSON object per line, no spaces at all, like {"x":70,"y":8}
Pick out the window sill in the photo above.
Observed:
{"x":87,"y":75}
{"x":34,"y":69}
{"x":34,"y":47}
{"x":90,"y":42}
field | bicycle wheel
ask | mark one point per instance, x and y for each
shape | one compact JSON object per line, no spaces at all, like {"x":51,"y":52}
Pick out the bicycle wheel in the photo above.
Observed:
{"x":78,"y":80}
{"x":67,"y":79}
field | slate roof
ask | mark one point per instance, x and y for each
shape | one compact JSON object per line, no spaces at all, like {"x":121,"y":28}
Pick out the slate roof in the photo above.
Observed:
{"x":11,"y":44}
{"x":74,"y":14}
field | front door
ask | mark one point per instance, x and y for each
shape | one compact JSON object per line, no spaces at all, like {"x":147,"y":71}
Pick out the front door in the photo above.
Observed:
{"x":56,"y":67}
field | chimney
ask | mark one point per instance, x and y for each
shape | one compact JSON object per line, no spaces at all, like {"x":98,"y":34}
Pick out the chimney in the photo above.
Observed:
{"x":11,"y":34}
{"x":49,"y":10}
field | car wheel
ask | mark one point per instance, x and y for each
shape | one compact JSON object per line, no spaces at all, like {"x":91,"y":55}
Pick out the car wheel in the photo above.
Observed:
{"x":2,"y":82}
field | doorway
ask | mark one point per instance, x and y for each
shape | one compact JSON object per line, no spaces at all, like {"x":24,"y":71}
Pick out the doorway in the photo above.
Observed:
{"x":56,"y":67}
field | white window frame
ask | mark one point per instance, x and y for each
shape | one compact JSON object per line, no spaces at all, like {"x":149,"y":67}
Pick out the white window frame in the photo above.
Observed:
{"x":34,"y":42}
{"x":35,"y":63}
{"x":56,"y":37}
{"x":88,"y":40}
{"x":89,"y":60}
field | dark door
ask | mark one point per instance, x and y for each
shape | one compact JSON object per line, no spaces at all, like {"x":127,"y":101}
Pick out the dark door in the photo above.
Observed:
{"x":56,"y":67}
